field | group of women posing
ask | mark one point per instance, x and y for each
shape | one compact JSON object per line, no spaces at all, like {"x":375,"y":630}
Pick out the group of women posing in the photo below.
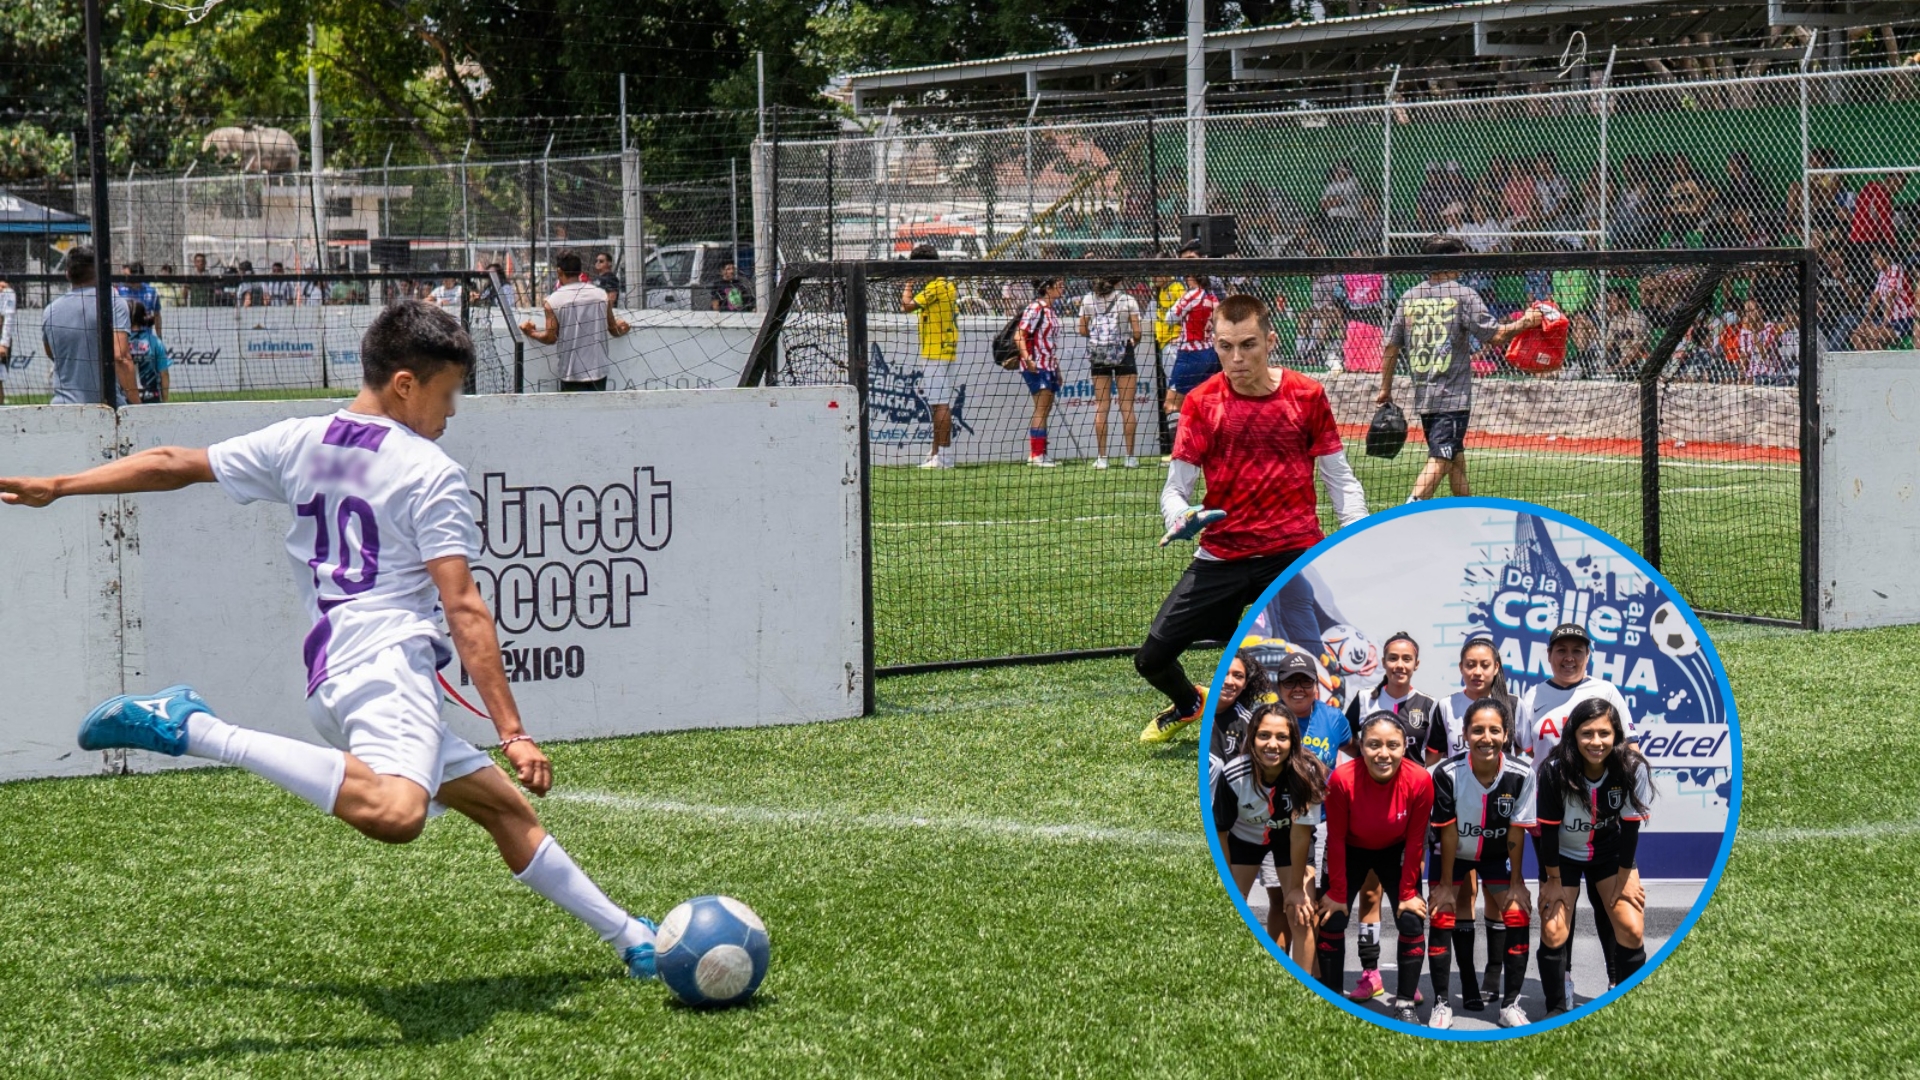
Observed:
{"x":1451,"y":795}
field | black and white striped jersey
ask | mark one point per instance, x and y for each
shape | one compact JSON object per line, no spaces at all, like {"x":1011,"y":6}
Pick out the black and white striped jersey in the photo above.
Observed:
{"x":1481,"y":814}
{"x":1590,"y":828}
{"x":1247,"y":808}
{"x":1418,"y":714}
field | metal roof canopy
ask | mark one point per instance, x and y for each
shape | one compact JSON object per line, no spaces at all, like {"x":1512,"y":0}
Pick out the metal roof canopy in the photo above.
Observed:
{"x":1412,"y":38}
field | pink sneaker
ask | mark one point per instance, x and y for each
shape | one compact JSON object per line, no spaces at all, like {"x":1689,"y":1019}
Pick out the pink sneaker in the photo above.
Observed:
{"x":1370,"y":987}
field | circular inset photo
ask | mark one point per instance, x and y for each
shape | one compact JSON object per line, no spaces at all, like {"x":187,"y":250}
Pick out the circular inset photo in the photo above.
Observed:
{"x":1473,"y":768}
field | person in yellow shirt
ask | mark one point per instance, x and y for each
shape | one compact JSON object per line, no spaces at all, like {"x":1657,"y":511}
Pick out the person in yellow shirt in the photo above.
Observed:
{"x":1166,"y":335}
{"x":936,"y":302}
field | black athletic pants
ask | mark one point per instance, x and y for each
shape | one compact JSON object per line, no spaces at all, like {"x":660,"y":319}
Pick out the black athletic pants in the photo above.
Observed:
{"x":1205,"y":605}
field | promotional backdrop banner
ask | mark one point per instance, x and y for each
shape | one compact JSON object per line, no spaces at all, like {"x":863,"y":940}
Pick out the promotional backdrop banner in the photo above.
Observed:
{"x":1445,"y":576}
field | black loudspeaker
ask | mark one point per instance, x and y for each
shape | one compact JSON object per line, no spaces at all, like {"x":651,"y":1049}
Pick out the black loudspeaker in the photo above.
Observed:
{"x":1214,"y":231}
{"x":390,"y":254}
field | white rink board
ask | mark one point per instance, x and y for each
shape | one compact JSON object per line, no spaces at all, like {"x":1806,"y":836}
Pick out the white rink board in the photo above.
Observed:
{"x":59,"y":602}
{"x":747,"y":538}
{"x":1869,"y":489}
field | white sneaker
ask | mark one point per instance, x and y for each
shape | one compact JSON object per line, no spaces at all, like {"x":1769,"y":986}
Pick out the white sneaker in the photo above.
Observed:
{"x":1441,"y":1017}
{"x":1099,"y":463}
{"x":1513,"y":1016}
{"x":1042,"y":462}
{"x":946,"y":462}
{"x":1132,"y":463}
{"x":932,"y":462}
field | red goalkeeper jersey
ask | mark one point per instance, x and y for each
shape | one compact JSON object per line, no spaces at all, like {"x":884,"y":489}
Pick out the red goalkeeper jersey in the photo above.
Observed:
{"x":1256,"y":454}
{"x":1365,"y":813}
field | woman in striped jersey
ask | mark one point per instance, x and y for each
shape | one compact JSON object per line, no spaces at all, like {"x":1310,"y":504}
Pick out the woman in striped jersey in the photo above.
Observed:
{"x":1595,"y":790}
{"x":1483,"y":805}
{"x":1266,"y":802}
{"x":1038,"y":339}
{"x":1482,"y":678}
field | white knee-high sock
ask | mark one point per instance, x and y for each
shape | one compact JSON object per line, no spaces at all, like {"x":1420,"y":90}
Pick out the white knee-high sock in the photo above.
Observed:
{"x":554,"y":875}
{"x":314,"y":773}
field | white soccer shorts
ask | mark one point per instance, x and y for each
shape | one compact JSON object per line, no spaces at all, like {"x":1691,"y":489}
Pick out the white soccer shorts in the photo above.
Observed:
{"x":386,"y":712}
{"x":936,"y":382}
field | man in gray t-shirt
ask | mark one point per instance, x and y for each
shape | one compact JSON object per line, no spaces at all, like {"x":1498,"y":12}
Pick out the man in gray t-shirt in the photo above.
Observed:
{"x":1439,"y":324}
{"x":69,"y":332}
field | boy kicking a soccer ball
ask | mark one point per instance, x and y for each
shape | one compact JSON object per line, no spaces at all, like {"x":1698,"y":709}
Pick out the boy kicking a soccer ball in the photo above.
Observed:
{"x":383,"y":532}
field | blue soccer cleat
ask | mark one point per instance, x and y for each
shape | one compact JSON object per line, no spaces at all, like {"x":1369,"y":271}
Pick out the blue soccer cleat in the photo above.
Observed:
{"x":1195,"y":520}
{"x":639,"y":958}
{"x":156,"y":722}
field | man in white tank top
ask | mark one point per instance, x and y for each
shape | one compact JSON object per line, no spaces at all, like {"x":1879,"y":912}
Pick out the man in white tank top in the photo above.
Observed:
{"x":579,"y":320}
{"x":381,"y":537}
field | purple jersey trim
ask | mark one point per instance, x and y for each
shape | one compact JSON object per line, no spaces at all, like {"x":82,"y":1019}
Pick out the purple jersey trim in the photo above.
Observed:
{"x":314,"y":649}
{"x":344,"y":432}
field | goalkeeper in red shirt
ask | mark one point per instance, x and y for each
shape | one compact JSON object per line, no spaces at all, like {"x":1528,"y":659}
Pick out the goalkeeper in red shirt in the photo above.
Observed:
{"x":1256,"y":434}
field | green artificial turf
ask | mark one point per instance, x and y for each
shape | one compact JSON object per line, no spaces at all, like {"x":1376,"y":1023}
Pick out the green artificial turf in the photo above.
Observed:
{"x":996,"y":560}
{"x":990,"y":877}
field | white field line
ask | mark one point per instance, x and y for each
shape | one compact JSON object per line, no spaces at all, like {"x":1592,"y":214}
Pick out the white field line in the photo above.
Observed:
{"x":1865,"y":830}
{"x":832,"y":819}
{"x":1011,"y":521}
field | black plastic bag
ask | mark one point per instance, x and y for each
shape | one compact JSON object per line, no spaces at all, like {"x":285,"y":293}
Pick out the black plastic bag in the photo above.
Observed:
{"x":1388,"y":432}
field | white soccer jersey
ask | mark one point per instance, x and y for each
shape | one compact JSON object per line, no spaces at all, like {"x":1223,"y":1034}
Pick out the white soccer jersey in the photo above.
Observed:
{"x":1453,"y":720}
{"x":1481,"y":814}
{"x":373,"y":503}
{"x":9,"y":304}
{"x":1544,"y":707}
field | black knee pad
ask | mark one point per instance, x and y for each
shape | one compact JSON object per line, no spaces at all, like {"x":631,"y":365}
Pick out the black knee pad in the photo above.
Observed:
{"x":1335,"y":925}
{"x":1410,"y":925}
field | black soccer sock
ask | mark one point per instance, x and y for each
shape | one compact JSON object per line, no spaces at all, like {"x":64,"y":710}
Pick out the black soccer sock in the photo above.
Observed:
{"x":1440,"y":955}
{"x":1463,"y":939}
{"x":1603,"y":929}
{"x":1331,"y":951}
{"x":1411,"y":954}
{"x":1369,"y":937}
{"x":1496,"y":957}
{"x":1158,"y":662}
{"x":1519,"y":943}
{"x":1553,"y":972}
{"x":1632,"y":960}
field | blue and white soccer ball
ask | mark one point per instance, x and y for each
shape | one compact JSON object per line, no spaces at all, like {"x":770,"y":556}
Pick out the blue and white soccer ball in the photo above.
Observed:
{"x":712,"y":951}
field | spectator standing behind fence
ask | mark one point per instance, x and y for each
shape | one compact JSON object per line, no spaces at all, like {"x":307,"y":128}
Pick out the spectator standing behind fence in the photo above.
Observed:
{"x":448,"y":294}
{"x":9,"y":304}
{"x":732,"y":292}
{"x":1166,"y":336}
{"x":200,"y":293}
{"x":135,"y":287}
{"x":1872,"y":221}
{"x":279,"y":292}
{"x":171,"y":295}
{"x":1110,"y":321}
{"x":503,"y":295}
{"x":579,"y":319}
{"x":150,"y":360}
{"x":70,"y":334}
{"x":937,"y":305}
{"x":1038,"y":339}
{"x":1889,"y":314}
{"x":1196,"y":361}
{"x":250,"y":291}
{"x":605,"y":277}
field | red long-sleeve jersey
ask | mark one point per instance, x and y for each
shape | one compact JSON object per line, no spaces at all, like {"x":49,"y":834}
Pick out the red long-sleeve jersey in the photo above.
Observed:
{"x":1368,"y":814}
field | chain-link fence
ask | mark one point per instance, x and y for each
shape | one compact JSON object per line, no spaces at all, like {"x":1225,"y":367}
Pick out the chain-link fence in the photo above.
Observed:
{"x":1815,"y":159}
{"x":465,"y":215}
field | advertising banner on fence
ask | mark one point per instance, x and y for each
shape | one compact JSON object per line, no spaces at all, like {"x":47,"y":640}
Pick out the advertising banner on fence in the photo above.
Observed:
{"x":227,"y":349}
{"x":1445,"y":578}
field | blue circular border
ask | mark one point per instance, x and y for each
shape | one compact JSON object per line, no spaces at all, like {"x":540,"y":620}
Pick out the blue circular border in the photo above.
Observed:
{"x":1733,"y":799}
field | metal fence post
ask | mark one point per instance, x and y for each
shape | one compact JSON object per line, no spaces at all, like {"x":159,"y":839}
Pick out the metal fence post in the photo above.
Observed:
{"x":1386,"y":166}
{"x":856,"y":278}
{"x":1810,"y":437}
{"x":1806,"y":150}
{"x":1153,"y":184}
